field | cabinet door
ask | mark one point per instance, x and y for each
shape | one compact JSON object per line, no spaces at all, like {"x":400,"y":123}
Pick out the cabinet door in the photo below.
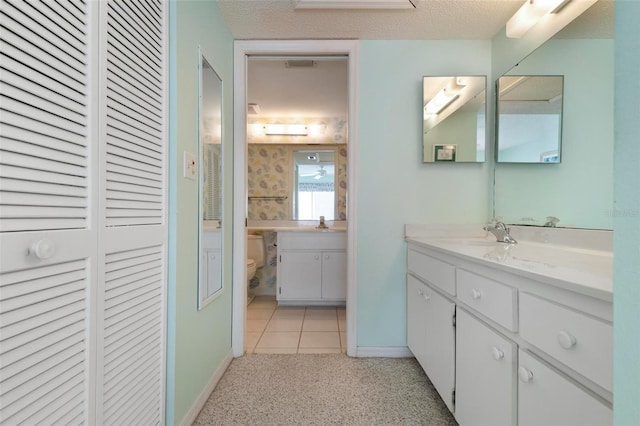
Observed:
{"x":417,"y":319}
{"x":485,"y":374}
{"x":300,"y":275}
{"x":334,"y":275}
{"x":433,"y":313}
{"x":545,"y":397}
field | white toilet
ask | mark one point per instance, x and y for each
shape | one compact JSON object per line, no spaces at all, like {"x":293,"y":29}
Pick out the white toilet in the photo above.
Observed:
{"x":256,"y":257}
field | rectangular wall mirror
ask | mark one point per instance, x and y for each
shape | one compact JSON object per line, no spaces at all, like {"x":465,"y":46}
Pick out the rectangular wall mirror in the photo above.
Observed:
{"x":210,"y":184}
{"x":529,"y":120}
{"x":579,"y":190}
{"x":454,"y":119}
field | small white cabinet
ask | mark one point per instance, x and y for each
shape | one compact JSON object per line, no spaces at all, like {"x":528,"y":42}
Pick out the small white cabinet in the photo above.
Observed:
{"x":431,"y":335}
{"x":545,"y":397}
{"x":312,"y":267}
{"x":485,"y":372}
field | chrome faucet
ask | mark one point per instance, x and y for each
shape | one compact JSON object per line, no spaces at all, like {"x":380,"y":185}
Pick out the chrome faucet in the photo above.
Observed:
{"x":500,"y":230}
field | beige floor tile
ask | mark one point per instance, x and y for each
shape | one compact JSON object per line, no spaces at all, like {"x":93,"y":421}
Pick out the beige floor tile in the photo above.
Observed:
{"x":286,"y":339}
{"x":250,"y":340}
{"x":342,"y":324}
{"x":263,"y":302}
{"x":319,"y":339}
{"x":343,"y":342}
{"x":318,"y":351}
{"x":284,"y":324}
{"x":342,"y":313}
{"x":259,"y":314}
{"x":289,"y":312}
{"x":320,"y":313}
{"x":320,"y":325}
{"x":275,"y":351}
{"x":256,"y":325}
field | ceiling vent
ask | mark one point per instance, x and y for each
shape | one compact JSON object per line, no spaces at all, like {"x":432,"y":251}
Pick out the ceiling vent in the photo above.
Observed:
{"x":300,"y":63}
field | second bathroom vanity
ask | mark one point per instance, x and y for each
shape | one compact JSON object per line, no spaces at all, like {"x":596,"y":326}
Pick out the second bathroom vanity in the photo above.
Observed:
{"x":312,"y":267}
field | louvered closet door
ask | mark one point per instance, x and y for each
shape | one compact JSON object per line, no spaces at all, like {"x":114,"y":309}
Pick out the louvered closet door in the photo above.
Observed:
{"x":134,"y":232}
{"x":47,"y":240}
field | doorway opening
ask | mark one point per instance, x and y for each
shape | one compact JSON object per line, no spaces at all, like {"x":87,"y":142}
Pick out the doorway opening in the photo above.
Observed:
{"x":288,"y":174}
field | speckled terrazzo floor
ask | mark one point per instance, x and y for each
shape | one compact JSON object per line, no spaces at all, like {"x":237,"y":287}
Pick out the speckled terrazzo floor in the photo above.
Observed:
{"x":327,"y":389}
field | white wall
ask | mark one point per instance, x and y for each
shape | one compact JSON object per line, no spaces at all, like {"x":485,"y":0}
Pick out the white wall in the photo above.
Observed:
{"x":394,"y":186}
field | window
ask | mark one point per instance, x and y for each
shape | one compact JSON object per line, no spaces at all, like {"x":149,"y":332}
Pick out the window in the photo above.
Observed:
{"x":314,"y":185}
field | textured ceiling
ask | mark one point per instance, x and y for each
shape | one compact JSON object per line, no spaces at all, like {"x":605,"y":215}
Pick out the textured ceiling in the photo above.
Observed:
{"x":430,"y":20}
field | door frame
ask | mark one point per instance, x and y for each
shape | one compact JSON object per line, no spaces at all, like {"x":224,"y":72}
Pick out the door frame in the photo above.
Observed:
{"x":242,"y":50}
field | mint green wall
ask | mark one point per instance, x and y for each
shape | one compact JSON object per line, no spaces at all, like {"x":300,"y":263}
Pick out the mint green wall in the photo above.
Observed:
{"x":198,"y":341}
{"x":394,"y":186}
{"x":626,"y":223}
{"x":579,"y":190}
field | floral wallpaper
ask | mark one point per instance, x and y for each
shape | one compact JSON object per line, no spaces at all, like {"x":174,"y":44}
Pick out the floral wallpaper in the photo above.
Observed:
{"x":270,"y":175}
{"x":264,"y":282}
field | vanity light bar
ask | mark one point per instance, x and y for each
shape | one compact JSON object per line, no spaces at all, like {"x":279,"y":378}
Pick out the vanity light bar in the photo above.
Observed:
{"x":529,"y":14}
{"x":286,"y":129}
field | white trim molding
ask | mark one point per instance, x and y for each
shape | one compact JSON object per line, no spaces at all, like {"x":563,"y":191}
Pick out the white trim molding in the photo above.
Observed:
{"x":242,"y":50}
{"x":384,"y":352}
{"x":197,"y":406}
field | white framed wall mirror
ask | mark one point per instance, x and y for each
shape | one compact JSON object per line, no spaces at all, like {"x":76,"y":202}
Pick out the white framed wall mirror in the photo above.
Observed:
{"x":454,"y":119}
{"x":210,"y":282}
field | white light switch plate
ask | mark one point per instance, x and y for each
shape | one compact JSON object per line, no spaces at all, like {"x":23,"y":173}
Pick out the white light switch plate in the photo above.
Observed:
{"x":190,"y":166}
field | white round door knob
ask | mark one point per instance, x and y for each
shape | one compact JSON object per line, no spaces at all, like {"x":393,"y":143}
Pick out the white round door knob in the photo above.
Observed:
{"x":475,"y":294}
{"x":525,"y":374}
{"x":566,"y":339}
{"x":43,"y":249}
{"x":496,"y":353}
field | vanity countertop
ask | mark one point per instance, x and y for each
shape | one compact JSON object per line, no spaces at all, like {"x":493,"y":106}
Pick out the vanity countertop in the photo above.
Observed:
{"x":295,"y":225}
{"x":585,"y":271}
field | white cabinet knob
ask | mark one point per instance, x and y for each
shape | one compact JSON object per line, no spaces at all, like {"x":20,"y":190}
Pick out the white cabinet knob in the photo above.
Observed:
{"x":43,"y":249}
{"x":496,"y":353}
{"x":316,"y":257}
{"x":475,"y":294}
{"x":327,"y":257}
{"x":525,"y":374}
{"x":566,"y":339}
{"x":426,"y":297}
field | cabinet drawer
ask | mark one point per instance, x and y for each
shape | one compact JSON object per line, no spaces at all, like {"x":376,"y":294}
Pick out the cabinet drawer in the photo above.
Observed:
{"x":545,"y":397}
{"x":583,"y":343}
{"x":494,"y":300}
{"x":436,"y":272}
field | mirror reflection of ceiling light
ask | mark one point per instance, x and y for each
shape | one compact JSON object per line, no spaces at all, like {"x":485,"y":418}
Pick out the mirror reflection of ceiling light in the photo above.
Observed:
{"x":529,"y":14}
{"x":439,"y":102}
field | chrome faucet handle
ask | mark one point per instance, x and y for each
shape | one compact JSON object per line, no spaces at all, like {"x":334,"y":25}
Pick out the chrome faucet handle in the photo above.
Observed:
{"x":551,"y":221}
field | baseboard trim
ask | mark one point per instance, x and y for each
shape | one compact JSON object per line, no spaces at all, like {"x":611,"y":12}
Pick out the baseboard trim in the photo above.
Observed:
{"x":383,"y":352}
{"x":195,"y":409}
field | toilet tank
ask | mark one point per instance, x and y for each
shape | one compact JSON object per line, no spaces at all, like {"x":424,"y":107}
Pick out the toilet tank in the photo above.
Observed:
{"x":256,"y":249}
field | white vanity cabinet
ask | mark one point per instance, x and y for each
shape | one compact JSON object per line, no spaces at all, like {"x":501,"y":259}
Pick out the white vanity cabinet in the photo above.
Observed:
{"x":526,"y":351}
{"x":430,"y":330}
{"x":485,"y":374}
{"x":312,"y":267}
{"x":431,"y":335}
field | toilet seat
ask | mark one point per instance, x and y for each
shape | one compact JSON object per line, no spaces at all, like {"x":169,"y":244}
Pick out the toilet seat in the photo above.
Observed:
{"x":251,"y":263}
